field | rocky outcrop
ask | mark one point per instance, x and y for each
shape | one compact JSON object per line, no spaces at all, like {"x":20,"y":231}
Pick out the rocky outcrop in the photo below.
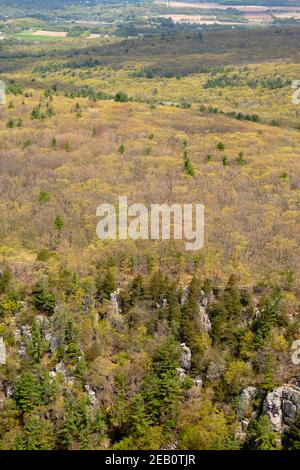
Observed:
{"x":248,"y":394}
{"x":272,"y":408}
{"x":2,"y":92}
{"x":22,"y":337}
{"x":198,"y":381}
{"x":282,"y":405}
{"x":181,"y":372}
{"x":204,"y":319}
{"x":246,"y":400}
{"x":184,"y":296}
{"x":26,"y":332}
{"x":186,"y":356}
{"x":91,"y":394}
{"x":290,"y":403}
{"x":115,"y":302}
{"x":246,"y":409}
{"x":60,"y":368}
{"x":2,"y":352}
{"x":7,"y":389}
{"x":161,"y":304}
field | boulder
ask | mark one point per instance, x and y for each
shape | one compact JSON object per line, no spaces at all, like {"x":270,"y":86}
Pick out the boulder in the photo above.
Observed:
{"x":272,"y":408}
{"x":204,"y":319}
{"x":161,"y":304}
{"x":91,"y":394}
{"x":115,"y":302}
{"x":289,"y":411}
{"x":249,"y":393}
{"x":204,"y":300}
{"x":282,"y":406}
{"x":60,"y":368}
{"x":8,"y":390}
{"x":245,"y":423}
{"x":290,"y":403}
{"x":186,"y":356}
{"x":22,"y":336}
{"x":26,"y":332}
{"x":198,"y":382}
{"x":184,"y":295}
{"x":246,"y":402}
{"x":2,"y":352}
{"x":54,"y":343}
{"x":181,"y":372}
{"x":22,"y":350}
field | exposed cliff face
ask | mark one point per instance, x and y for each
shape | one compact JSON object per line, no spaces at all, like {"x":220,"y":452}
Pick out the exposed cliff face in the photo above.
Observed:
{"x":115,"y":302}
{"x":282,"y":405}
{"x":246,"y":400}
{"x":186,"y":357}
{"x":272,"y":407}
{"x":204,"y":319}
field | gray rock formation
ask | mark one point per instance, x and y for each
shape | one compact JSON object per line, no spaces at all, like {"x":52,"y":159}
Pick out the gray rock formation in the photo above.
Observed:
{"x":184,"y":295}
{"x":161,"y":304}
{"x":60,"y":368}
{"x":186,"y":356}
{"x":198,"y":382}
{"x":181,"y":372}
{"x":2,"y":352}
{"x":22,"y":336}
{"x":282,"y":405}
{"x":246,"y":404}
{"x":290,"y":403}
{"x":54,"y":343}
{"x":8,"y":390}
{"x":240,"y":435}
{"x":204,"y":300}
{"x":172,"y":446}
{"x":2,"y":93}
{"x":244,"y":424}
{"x":204,"y":319}
{"x":249,"y":393}
{"x":115,"y":302}
{"x":91,"y":394}
{"x":272,"y":408}
{"x":26,"y":332}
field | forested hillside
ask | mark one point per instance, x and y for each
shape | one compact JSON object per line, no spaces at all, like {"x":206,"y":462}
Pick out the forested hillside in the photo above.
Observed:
{"x":140,"y":344}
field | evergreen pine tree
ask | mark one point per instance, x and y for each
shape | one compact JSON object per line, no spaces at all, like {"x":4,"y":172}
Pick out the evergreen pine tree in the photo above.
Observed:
{"x":44,"y":298}
{"x":5,"y":280}
{"x":106,"y":285}
{"x":28,"y":392}
{"x":292,"y":436}
{"x":188,"y":166}
{"x":35,"y":348}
